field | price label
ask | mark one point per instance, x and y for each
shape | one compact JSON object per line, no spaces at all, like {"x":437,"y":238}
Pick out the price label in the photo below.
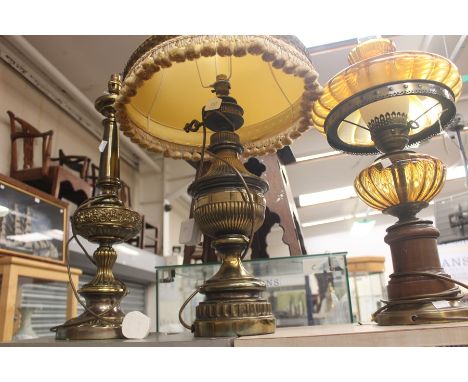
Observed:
{"x":189,"y":233}
{"x":102,"y":146}
{"x":441,"y":304}
{"x":386,"y":162}
{"x":213,"y":104}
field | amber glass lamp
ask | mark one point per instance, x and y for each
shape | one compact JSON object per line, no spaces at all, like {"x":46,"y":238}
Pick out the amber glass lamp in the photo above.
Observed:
{"x":382,"y":103}
{"x":175,"y":97}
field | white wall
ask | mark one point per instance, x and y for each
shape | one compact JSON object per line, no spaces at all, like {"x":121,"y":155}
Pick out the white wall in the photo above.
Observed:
{"x":29,"y":104}
{"x":177,"y":216}
{"x":169,"y":186}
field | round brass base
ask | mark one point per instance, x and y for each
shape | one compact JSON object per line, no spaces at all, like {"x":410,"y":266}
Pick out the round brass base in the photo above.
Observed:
{"x":422,"y":313}
{"x":88,"y":333}
{"x":90,"y":330}
{"x":234,"y":318}
{"x":86,"y":326}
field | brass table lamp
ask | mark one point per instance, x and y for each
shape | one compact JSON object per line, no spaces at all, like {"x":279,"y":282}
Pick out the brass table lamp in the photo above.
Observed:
{"x":167,"y":81}
{"x":105,"y":220}
{"x":385,"y":101}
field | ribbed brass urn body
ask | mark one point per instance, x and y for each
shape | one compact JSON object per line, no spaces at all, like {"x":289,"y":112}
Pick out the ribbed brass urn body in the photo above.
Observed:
{"x":225,"y":211}
{"x":222,"y":205}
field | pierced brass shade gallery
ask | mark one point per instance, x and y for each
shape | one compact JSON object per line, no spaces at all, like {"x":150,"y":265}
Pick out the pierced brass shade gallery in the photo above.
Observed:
{"x":384,"y":102}
{"x":168,"y":84}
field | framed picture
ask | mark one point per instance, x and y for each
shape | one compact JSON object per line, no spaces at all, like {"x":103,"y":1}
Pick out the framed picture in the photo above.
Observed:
{"x":33,"y":224}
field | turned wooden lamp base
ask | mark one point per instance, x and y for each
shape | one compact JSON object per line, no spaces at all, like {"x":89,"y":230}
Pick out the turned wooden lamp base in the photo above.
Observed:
{"x":419,"y":290}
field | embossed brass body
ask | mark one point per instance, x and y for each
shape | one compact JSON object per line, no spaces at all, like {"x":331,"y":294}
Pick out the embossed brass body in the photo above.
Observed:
{"x":105,"y":220}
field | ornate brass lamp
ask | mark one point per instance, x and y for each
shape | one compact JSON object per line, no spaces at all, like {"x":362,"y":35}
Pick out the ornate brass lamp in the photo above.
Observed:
{"x":105,"y":220}
{"x":385,"y":101}
{"x":167,"y":80}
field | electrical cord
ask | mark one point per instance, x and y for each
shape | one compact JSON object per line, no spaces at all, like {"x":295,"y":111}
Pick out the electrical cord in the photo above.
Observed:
{"x":202,"y":156}
{"x":241,"y":178}
{"x":252,"y":206}
{"x":99,"y":316}
{"x":249,"y":196}
{"x":184,"y":324}
{"x":448,"y":295}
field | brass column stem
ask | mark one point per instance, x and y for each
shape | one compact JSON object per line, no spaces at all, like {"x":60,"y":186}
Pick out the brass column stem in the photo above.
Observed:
{"x":109,"y":162}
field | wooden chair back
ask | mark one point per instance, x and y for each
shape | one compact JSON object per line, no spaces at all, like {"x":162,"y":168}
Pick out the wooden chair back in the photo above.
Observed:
{"x":78,"y":163}
{"x":20,"y":129}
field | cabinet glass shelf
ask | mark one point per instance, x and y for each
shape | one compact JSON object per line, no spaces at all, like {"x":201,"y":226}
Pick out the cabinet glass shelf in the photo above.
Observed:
{"x":303,"y":290}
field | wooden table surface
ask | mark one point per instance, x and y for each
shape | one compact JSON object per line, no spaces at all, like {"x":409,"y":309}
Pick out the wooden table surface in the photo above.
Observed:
{"x":453,"y":334}
{"x":154,"y":339}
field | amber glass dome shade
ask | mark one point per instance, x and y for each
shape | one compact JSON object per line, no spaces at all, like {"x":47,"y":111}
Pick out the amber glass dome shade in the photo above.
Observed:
{"x":404,"y":177}
{"x":381,"y":80}
{"x":167,"y":83}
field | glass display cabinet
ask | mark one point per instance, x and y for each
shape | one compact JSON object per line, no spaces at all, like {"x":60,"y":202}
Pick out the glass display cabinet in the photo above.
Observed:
{"x":303,"y":290}
{"x":367,"y":286}
{"x":32,"y":223}
{"x":34,"y":296}
{"x":34,"y":291}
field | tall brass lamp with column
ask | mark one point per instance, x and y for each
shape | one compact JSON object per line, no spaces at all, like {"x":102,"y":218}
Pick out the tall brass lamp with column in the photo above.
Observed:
{"x":167,"y":82}
{"x":385,"y":101}
{"x":105,"y":220}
